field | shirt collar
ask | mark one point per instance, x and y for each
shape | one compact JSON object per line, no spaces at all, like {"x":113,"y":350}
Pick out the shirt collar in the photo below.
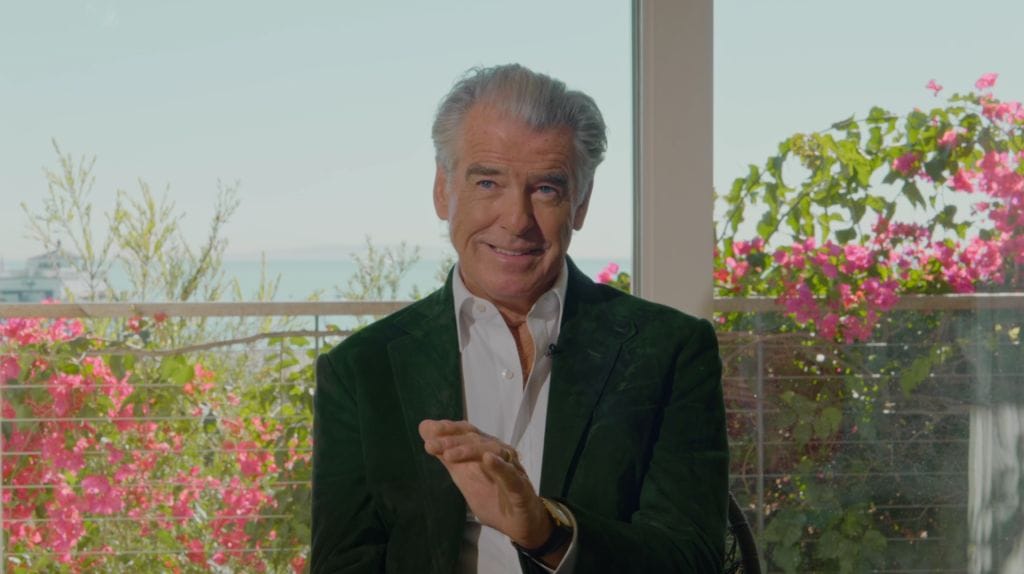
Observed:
{"x":547,"y":306}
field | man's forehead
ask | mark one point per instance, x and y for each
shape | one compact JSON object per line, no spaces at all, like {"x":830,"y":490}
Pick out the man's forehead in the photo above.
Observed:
{"x":485,"y":169}
{"x":493,"y":139}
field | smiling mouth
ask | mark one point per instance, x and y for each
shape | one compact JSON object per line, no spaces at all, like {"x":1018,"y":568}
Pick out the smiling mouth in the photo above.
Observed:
{"x":516,"y":253}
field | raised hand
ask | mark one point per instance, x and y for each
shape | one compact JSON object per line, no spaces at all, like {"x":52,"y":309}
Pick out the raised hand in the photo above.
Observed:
{"x":491,"y":479}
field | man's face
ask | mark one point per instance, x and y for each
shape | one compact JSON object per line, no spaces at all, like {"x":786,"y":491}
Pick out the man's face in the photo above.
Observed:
{"x":509,"y":205}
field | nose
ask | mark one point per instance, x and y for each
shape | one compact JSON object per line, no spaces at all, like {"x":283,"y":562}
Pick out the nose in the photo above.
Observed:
{"x":517,"y":213}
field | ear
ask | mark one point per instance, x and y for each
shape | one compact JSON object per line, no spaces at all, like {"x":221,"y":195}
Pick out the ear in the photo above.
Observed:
{"x":581,"y":211}
{"x":441,"y":192}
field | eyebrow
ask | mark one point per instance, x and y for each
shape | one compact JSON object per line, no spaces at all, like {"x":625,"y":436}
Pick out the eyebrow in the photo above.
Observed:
{"x":477,"y":169}
{"x":557,"y":177}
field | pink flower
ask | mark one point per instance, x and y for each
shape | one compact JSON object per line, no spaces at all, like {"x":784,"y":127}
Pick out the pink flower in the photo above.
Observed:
{"x":934,"y":87}
{"x":948,"y":139}
{"x":962,"y":181}
{"x":905,"y":163}
{"x":1003,"y":111}
{"x":882,"y":295}
{"x":800,"y":302}
{"x":959,"y":280}
{"x":99,"y":497}
{"x":858,"y":258}
{"x":196,"y":552}
{"x":64,"y":330}
{"x":742,"y":248}
{"x":848,"y":297}
{"x":986,"y":81}
{"x":738,"y":268}
{"x":608,"y":274}
{"x":993,"y":163}
{"x":984,"y":258}
{"x":135,"y":324}
{"x":9,"y":368}
{"x":204,"y":377}
{"x":827,"y":326}
{"x":857,"y":329}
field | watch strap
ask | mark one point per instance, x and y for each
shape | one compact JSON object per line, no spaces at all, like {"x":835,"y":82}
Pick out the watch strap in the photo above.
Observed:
{"x":561,"y":532}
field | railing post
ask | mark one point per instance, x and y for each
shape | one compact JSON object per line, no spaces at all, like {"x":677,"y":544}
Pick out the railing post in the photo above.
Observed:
{"x":316,"y":337}
{"x":760,"y":435}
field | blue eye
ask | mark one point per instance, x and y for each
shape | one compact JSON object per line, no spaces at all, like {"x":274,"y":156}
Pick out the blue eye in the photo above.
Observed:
{"x":486,"y":184}
{"x":547,"y":190}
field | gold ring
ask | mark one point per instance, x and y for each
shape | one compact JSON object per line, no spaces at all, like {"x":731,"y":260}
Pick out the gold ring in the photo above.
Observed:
{"x":506,"y":455}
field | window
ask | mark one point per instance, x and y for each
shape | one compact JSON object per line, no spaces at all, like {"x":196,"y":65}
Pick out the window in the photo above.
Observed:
{"x":876,"y":418}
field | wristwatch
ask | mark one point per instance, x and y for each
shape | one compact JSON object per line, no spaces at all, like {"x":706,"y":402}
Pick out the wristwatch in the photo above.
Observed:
{"x":560,"y":534}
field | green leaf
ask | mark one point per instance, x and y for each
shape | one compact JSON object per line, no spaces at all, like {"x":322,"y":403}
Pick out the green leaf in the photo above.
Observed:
{"x":857,"y":210}
{"x":947,"y":217}
{"x":175,"y":368}
{"x":913,"y":194}
{"x":915,"y":374}
{"x":787,"y":558}
{"x":830,"y":418}
{"x":876,"y":203}
{"x":766,"y":227}
{"x":753,"y":176}
{"x":842,"y":125}
{"x":828,"y":546}
{"x":846,"y":235}
{"x":936,"y":167}
{"x":877,"y":115}
{"x":802,"y":432}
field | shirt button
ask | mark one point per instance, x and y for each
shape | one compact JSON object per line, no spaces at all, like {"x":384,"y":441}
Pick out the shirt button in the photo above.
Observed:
{"x":480,"y":308}
{"x":507,"y":374}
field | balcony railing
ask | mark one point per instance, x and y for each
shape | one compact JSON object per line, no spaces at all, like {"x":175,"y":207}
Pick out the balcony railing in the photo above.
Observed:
{"x":901,"y":445}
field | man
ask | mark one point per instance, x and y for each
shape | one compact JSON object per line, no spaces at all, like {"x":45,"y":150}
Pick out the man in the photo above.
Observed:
{"x":521,"y":417}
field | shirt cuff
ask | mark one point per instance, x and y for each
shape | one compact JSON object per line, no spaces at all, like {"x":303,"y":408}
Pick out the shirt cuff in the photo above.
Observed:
{"x":568,"y":563}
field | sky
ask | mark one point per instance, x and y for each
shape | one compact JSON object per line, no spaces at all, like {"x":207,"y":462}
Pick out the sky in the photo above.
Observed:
{"x":321,"y":111}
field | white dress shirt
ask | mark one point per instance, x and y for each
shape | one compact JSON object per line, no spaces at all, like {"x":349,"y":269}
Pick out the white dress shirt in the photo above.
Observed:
{"x":501,"y":404}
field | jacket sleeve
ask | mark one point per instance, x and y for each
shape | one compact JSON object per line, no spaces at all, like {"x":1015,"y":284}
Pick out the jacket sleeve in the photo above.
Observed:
{"x":347,"y":535}
{"x":680,"y":520}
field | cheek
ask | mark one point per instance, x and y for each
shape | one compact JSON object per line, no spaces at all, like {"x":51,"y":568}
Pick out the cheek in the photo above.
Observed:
{"x":556,"y":226}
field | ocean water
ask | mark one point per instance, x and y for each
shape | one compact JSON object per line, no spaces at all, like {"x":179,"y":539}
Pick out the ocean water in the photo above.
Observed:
{"x":301,"y":279}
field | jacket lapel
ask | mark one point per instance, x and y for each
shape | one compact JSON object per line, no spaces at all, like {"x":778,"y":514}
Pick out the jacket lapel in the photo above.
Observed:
{"x":427,"y":374}
{"x":589,"y":342}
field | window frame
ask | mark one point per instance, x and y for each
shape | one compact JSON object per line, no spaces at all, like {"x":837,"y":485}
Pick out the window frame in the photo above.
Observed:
{"x":673,"y":195}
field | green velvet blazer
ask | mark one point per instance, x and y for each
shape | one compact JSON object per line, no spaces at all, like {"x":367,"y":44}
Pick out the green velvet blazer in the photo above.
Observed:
{"x":635,"y":442}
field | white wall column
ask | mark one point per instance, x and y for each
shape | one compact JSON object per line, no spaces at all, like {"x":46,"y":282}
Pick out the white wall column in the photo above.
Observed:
{"x":673,"y":210}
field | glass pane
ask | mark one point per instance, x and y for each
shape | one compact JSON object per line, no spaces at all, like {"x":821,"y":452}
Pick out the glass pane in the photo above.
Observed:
{"x":178,"y":438}
{"x":318,"y":118}
{"x":868,"y":269}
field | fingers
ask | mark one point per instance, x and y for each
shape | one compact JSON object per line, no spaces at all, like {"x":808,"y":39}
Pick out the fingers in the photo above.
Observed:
{"x":430,"y":428}
{"x":460,"y":441}
{"x":469,"y":447}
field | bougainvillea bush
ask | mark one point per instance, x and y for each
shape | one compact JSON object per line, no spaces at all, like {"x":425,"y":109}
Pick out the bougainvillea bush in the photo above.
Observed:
{"x":865,"y":405}
{"x":119,"y":461}
{"x":851,"y":218}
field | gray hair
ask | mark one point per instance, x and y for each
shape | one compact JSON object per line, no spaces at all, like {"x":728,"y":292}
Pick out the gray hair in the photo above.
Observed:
{"x":539,"y":100}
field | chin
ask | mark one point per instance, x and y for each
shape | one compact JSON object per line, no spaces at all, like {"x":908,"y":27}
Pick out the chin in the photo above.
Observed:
{"x":516,"y":289}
